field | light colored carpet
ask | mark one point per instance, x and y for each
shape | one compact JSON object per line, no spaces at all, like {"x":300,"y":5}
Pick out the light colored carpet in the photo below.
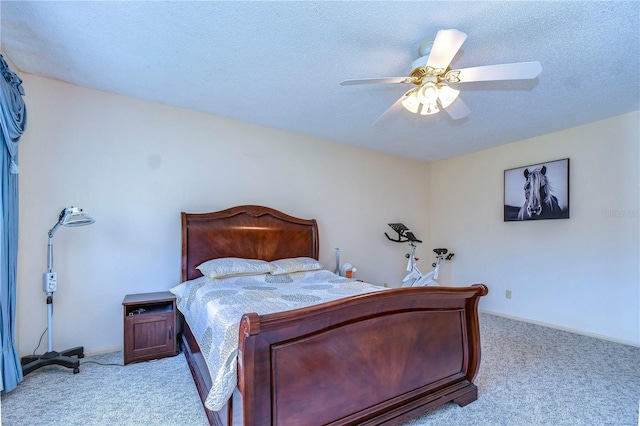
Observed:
{"x":158,"y":392}
{"x":537,"y":376}
{"x":529,"y":375}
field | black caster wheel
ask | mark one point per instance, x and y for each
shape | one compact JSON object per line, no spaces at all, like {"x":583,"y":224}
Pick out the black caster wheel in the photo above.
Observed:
{"x":81,"y":356}
{"x":76,"y":370}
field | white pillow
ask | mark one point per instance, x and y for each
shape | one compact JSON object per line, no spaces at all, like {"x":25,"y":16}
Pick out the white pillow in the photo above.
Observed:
{"x":230,"y":266}
{"x":298,"y":264}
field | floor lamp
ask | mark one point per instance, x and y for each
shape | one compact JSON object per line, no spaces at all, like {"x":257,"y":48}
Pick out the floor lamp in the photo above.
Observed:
{"x":71,"y":216}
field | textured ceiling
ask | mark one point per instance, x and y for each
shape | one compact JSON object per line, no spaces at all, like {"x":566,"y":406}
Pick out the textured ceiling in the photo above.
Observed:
{"x":279,"y":64}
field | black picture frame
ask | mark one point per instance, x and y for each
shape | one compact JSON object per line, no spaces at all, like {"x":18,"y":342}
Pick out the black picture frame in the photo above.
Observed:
{"x":545,"y":184}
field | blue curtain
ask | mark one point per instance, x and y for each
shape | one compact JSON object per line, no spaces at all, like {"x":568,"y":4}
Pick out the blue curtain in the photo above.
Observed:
{"x":13,"y":121}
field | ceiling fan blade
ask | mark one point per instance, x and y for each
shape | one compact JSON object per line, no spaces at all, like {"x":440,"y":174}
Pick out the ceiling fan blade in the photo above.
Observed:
{"x":397,"y":105}
{"x":516,"y":71}
{"x":457,"y":109}
{"x":445,"y":47}
{"x":378,"y":80}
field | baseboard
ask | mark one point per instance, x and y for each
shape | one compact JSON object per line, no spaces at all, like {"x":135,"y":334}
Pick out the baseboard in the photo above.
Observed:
{"x":558,"y":327}
{"x":103,"y":351}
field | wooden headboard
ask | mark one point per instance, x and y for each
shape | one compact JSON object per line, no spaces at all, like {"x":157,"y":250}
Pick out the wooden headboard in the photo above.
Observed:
{"x":251,"y":232}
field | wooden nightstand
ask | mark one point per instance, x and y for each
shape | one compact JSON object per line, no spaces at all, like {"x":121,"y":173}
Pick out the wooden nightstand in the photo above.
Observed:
{"x":149,"y":326}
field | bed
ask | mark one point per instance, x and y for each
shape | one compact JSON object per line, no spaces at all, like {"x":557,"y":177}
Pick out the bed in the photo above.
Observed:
{"x":381,"y":357}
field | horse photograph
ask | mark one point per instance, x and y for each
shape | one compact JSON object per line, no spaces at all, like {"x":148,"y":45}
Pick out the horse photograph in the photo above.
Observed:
{"x":539,"y":191}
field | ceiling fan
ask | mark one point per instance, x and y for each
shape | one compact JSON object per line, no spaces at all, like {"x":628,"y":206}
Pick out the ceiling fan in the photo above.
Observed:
{"x":432,"y":76}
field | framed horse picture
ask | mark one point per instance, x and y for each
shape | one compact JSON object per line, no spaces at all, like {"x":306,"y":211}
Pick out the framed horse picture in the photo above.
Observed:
{"x":538,"y":191}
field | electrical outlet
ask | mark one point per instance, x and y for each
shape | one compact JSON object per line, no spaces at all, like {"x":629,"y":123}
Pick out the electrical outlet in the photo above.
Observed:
{"x":507,"y":294}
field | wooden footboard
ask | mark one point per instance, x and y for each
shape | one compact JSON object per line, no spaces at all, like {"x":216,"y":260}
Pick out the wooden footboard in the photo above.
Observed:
{"x":379,"y":358}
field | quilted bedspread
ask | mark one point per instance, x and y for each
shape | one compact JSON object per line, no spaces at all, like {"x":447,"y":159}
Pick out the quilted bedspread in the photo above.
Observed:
{"x":213,"y":309}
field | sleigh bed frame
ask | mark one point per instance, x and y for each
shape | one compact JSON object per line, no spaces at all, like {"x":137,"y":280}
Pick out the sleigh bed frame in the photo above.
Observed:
{"x":378,"y":358}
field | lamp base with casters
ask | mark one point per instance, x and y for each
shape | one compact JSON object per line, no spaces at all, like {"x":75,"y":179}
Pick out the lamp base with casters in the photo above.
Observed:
{"x":64,"y":358}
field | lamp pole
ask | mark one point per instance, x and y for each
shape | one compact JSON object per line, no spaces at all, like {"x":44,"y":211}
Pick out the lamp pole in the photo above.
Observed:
{"x":49,"y":285}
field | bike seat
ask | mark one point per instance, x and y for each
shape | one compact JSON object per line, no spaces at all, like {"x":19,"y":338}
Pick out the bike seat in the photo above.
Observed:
{"x":440,"y":251}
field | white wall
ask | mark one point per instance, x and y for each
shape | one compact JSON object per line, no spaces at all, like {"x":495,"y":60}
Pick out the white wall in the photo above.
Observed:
{"x":136,"y":165}
{"x":580,"y":274}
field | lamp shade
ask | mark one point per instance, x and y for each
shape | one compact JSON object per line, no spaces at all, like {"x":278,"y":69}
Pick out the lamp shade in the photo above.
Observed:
{"x":74,"y":216}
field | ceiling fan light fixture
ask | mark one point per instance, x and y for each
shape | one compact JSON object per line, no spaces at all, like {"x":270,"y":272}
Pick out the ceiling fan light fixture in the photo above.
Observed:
{"x":424,"y":99}
{"x":429,"y":98}
{"x":411,"y":102}
{"x":447,"y":95}
{"x":428,"y":93}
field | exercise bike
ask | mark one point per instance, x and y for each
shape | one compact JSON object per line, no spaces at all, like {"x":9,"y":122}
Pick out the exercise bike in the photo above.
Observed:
{"x":415,"y":278}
